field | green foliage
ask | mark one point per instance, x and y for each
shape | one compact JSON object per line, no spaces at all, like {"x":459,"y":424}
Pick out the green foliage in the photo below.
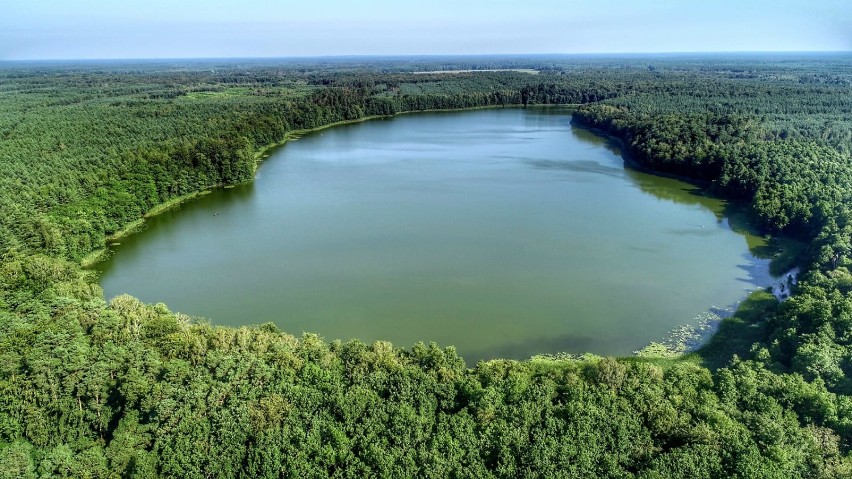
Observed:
{"x":124,"y":389}
{"x":191,"y":400}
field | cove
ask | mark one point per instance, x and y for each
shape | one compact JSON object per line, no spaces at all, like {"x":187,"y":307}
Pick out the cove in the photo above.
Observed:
{"x":505,"y":233}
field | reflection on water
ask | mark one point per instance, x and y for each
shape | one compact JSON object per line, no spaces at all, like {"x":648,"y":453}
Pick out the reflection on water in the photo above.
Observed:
{"x":506,"y":233}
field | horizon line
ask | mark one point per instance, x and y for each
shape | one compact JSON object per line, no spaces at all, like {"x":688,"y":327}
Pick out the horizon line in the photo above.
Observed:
{"x":431,"y":55}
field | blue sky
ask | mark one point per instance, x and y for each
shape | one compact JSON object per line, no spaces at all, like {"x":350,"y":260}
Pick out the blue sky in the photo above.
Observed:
{"x":66,"y":29}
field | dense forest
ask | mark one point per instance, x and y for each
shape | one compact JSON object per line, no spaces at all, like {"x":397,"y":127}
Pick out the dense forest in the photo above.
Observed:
{"x":110,"y":387}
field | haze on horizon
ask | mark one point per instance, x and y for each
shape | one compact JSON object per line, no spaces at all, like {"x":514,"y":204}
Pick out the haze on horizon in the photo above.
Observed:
{"x":94,"y":29}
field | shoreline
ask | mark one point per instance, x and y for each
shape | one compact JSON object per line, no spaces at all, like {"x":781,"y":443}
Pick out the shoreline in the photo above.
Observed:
{"x":262,"y":153}
{"x":786,"y":256}
{"x":98,"y":255}
{"x":681,"y":342}
{"x":690,"y":338}
{"x":267,"y":150}
{"x":624,"y":153}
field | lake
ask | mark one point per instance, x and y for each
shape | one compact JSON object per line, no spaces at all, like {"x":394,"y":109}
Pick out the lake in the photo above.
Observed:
{"x":504,"y":232}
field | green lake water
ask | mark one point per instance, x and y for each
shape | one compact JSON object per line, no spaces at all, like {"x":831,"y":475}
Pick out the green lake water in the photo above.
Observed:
{"x":505,"y":233}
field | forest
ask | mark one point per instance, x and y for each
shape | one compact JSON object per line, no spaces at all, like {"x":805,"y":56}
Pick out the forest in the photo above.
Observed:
{"x":100,"y":387}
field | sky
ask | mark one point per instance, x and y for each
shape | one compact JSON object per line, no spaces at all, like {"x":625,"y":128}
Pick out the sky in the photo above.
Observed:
{"x":93,"y":29}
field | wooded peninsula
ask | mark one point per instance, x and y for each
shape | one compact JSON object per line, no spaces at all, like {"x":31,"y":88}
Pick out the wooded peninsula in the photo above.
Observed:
{"x":98,"y":387}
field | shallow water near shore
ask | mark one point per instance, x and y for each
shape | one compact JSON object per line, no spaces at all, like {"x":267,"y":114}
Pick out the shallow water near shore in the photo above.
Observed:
{"x":505,"y":233}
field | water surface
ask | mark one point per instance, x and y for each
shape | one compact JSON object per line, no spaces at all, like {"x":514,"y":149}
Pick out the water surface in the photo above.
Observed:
{"x":506,"y":233}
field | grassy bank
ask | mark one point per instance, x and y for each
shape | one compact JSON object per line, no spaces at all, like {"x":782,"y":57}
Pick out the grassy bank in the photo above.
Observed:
{"x":135,"y":226}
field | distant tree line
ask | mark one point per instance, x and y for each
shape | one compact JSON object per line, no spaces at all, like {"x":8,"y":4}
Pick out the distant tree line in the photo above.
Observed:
{"x":91,"y":388}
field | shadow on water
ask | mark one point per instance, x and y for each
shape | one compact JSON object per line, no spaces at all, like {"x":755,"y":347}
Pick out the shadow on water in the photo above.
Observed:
{"x":354,"y":206}
{"x":734,"y":216}
{"x":591,"y":138}
{"x":677,"y":190}
{"x":214,"y":202}
{"x":781,"y":251}
{"x":550,"y":110}
{"x":756,"y":268}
